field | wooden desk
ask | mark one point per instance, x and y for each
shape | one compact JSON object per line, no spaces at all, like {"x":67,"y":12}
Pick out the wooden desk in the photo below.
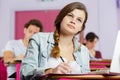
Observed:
{"x":81,"y":77}
{"x":105,"y":62}
{"x":102,"y":60}
{"x":100,"y":64}
{"x":74,"y":76}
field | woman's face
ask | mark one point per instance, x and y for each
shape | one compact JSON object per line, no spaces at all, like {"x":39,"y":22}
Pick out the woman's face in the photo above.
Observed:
{"x":91,"y":45}
{"x":32,"y":29}
{"x":73,"y":22}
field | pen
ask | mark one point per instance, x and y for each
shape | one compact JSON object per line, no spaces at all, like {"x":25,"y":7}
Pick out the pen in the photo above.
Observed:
{"x":62,"y":59}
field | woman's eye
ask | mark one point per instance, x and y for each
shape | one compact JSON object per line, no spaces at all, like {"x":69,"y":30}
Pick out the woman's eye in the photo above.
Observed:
{"x":70,"y":15}
{"x":79,"y":20}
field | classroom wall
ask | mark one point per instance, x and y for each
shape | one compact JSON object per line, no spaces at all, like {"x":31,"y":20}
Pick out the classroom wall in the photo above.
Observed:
{"x":102,"y":19}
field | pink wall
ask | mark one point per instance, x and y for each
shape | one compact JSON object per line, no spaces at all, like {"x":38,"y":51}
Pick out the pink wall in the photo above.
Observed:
{"x":47,"y":18}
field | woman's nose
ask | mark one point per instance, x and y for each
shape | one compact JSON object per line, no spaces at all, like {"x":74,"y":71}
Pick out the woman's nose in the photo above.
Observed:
{"x":73,"y":21}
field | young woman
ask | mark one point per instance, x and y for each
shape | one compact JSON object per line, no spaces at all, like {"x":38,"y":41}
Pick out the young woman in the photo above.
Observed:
{"x":59,"y":52}
{"x":91,"y":41}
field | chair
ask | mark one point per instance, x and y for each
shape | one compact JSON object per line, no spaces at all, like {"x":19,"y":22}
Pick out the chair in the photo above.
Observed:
{"x":18,"y":71}
{"x":3,"y":70}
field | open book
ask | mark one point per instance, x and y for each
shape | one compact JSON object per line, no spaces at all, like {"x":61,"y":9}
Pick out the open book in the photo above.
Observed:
{"x":105,"y":72}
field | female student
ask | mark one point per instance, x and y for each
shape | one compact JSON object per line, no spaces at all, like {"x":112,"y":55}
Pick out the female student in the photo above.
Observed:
{"x":91,"y":41}
{"x":59,"y":52}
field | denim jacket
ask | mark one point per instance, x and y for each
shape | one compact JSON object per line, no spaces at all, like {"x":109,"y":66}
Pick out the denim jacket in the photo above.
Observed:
{"x":38,"y":52}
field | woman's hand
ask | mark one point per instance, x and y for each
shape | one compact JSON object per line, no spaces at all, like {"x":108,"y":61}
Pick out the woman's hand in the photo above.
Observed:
{"x":62,"y":68}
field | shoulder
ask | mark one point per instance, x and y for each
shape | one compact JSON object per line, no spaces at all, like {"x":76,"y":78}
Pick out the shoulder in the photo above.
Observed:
{"x":84,"y":47}
{"x":79,"y":46}
{"x":41,"y":35}
{"x":85,"y":51}
{"x":14,"y":41}
{"x":98,"y":52}
{"x":12,"y":44}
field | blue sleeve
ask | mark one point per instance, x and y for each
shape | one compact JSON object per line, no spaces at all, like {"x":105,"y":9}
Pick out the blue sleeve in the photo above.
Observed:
{"x":31,"y":63}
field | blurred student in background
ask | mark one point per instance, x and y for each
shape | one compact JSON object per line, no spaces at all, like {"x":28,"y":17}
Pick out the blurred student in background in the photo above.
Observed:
{"x":91,"y":40}
{"x":16,"y":49}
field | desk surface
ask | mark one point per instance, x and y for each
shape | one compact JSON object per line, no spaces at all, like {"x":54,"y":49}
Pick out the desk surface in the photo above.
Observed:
{"x":74,"y":76}
{"x":101,"y":60}
{"x":82,"y":76}
{"x":100,"y":64}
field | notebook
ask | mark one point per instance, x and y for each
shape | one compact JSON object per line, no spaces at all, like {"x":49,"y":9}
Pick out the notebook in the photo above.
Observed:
{"x":115,"y":64}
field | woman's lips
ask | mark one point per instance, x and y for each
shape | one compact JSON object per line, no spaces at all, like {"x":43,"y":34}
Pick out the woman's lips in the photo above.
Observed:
{"x":71,"y":26}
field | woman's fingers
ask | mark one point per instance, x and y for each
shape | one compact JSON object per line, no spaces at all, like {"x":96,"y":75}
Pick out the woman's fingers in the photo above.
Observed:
{"x":62,"y":68}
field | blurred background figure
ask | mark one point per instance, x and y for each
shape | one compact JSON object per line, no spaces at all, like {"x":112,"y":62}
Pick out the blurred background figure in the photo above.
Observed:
{"x":91,"y":40}
{"x":16,"y":49}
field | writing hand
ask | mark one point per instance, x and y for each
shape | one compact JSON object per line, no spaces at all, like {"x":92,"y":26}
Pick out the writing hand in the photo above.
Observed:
{"x":62,"y":68}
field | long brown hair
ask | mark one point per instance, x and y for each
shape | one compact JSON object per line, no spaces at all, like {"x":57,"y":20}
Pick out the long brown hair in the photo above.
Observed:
{"x":67,"y":9}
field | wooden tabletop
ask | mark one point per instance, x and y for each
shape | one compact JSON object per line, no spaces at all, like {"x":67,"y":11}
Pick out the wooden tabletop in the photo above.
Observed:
{"x":100,"y":64}
{"x":101,"y":60}
{"x":83,"y":76}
